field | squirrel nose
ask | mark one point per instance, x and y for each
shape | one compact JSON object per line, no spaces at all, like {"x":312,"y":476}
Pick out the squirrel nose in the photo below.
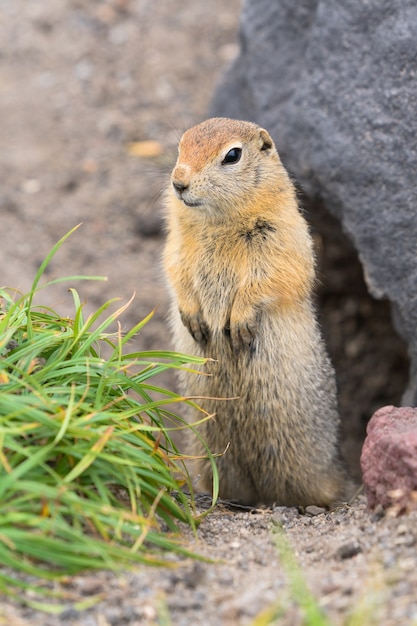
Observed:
{"x":179,"y":186}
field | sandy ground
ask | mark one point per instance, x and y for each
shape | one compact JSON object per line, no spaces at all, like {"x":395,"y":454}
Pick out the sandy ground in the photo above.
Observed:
{"x":82,"y":84}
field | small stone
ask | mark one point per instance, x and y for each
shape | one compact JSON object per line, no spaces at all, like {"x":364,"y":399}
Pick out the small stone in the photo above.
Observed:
{"x":84,"y":70}
{"x":148,"y":225}
{"x":314,"y":510}
{"x":277,"y":520}
{"x":407,"y":564}
{"x":195,"y":576}
{"x":70,"y":185}
{"x":68,"y":614}
{"x":149,"y":611}
{"x":378,"y":513}
{"x":8,"y":204}
{"x":31,"y":186}
{"x":11,"y":345}
{"x":348,"y":550}
{"x":90,"y":586}
{"x":405,"y":540}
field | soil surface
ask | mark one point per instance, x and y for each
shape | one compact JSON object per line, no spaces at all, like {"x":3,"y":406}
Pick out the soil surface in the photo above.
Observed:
{"x":84,"y":86}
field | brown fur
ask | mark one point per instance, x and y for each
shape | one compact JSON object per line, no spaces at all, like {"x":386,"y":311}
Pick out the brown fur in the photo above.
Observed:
{"x":240,"y":264}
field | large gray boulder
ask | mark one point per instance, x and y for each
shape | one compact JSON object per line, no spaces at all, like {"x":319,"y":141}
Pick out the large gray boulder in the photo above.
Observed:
{"x":336,"y":84}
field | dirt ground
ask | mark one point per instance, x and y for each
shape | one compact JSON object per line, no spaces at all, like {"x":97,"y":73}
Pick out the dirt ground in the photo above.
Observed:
{"x":82,"y":84}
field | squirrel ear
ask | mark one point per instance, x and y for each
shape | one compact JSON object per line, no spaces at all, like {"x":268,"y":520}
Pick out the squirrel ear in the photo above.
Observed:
{"x":266,"y":142}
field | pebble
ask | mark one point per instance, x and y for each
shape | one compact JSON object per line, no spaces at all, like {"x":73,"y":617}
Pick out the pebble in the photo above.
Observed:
{"x":84,"y":70}
{"x":31,"y":186}
{"x":314,"y":510}
{"x":195,"y":576}
{"x":148,"y":225}
{"x":348,"y":550}
{"x":8,"y":204}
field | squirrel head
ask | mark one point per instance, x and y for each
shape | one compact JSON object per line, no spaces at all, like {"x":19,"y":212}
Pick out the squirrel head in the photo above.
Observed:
{"x":225,"y":166}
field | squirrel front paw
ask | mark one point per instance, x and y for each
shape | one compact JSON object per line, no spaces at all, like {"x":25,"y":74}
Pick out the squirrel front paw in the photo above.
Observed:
{"x":196,"y":326}
{"x":243,"y":334}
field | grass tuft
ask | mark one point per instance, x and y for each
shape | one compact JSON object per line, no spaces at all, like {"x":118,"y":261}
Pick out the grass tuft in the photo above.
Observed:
{"x":89,"y":475}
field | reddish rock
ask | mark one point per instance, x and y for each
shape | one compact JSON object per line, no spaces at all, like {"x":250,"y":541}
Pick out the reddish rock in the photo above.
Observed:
{"x":389,"y":458}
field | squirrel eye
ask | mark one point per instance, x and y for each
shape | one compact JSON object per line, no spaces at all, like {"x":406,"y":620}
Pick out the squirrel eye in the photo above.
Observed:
{"x":233,"y":156}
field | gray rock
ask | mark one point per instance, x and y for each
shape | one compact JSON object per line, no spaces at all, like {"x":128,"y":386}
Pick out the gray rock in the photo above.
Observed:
{"x":336,"y":85}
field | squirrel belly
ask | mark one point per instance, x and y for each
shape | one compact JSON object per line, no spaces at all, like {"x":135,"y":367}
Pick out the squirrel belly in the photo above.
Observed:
{"x":280,"y":428}
{"x":240,"y":267}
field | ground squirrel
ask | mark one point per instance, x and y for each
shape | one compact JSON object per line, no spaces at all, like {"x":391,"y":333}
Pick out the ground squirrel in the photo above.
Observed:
{"x":240,"y":264}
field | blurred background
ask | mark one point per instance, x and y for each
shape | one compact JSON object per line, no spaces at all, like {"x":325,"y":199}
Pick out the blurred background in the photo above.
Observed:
{"x":94,"y":96}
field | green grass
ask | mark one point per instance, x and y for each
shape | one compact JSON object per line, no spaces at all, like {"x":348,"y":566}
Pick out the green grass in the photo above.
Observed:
{"x":89,"y":475}
{"x":297,"y":592}
{"x":366,"y":610}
